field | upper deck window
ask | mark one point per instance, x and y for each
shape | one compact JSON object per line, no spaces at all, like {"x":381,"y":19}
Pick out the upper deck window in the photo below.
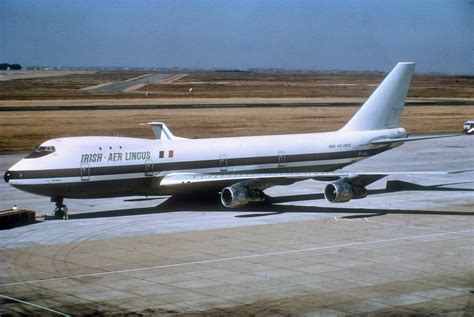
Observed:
{"x":41,"y":151}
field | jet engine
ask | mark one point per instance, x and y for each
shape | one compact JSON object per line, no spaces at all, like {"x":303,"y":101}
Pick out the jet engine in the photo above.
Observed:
{"x":238,"y":196}
{"x":341,"y":192}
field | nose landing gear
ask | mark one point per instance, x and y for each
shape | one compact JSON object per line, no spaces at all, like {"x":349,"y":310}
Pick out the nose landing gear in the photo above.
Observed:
{"x":60,"y":212}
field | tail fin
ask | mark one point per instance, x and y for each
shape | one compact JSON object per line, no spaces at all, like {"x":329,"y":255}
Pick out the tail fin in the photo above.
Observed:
{"x":384,"y":107}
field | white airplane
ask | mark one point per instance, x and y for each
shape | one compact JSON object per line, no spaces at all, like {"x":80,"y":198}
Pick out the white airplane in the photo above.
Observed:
{"x":240,"y":168}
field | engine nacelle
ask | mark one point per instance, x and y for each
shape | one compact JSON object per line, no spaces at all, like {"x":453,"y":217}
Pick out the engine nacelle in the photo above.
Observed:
{"x":239,"y":196}
{"x":341,"y":192}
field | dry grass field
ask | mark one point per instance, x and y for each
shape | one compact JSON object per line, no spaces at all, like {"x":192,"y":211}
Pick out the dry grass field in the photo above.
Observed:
{"x":308,"y":85}
{"x":232,"y":84}
{"x":21,"y":130}
{"x":61,"y":87}
{"x":24,"y":129}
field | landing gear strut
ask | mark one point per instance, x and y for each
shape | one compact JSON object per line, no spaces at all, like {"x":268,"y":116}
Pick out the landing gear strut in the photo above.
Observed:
{"x":60,"y":212}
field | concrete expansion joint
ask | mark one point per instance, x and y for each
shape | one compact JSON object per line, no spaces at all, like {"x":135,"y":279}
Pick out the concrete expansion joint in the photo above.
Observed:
{"x":406,"y":226}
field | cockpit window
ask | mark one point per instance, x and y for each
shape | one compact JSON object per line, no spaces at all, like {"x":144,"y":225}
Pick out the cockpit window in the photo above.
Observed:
{"x":41,"y":151}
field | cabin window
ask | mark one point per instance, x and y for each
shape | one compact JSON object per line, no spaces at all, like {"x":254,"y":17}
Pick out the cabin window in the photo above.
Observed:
{"x":41,"y":151}
{"x":162,"y":154}
{"x":171,"y":154}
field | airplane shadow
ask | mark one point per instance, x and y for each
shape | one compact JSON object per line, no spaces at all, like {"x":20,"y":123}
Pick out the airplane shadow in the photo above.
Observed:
{"x":273,"y":206}
{"x":391,"y":187}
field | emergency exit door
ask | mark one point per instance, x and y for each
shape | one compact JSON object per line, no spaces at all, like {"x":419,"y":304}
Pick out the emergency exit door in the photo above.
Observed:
{"x":281,"y":159}
{"x":223,"y":163}
{"x":148,"y":168}
{"x":85,"y":172}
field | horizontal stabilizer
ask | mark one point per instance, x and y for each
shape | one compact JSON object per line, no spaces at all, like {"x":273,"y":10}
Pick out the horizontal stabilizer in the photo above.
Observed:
{"x":415,"y":138}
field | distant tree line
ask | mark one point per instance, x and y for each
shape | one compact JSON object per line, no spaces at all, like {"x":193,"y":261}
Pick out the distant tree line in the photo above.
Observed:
{"x":5,"y":66}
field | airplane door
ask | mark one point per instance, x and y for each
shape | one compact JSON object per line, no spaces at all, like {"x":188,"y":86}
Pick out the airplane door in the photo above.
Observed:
{"x":148,"y":168}
{"x":281,"y":159}
{"x":85,"y":172}
{"x":223,"y":163}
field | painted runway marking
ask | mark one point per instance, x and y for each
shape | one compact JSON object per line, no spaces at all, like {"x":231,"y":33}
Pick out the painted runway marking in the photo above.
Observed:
{"x":34,"y":305}
{"x":344,"y":245}
{"x":359,"y":282}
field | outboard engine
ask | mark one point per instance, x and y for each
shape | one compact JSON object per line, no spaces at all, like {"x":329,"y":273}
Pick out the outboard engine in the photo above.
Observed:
{"x":341,"y":192}
{"x":239,"y":196}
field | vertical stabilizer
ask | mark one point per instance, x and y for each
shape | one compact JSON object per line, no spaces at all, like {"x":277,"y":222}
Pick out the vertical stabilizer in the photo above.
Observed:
{"x":384,"y":107}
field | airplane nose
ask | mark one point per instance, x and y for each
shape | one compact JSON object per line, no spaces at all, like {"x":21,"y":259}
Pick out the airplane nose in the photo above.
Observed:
{"x":6,"y":177}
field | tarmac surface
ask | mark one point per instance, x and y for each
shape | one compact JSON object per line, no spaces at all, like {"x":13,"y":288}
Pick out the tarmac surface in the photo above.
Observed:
{"x":408,"y":248}
{"x":122,"y":85}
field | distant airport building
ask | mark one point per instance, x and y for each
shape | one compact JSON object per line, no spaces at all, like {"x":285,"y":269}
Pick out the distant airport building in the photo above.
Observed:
{"x":5,"y":66}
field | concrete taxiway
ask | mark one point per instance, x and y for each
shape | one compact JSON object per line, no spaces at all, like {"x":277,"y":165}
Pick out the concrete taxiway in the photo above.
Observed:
{"x":406,"y":248}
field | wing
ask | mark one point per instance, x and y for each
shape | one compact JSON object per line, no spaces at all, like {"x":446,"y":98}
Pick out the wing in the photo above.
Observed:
{"x":191,"y":181}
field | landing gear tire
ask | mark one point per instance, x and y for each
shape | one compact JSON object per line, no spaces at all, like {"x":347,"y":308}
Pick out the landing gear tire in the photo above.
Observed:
{"x":61,"y":211}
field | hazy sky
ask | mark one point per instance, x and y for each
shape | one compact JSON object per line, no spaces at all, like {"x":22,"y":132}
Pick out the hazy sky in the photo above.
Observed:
{"x":315,"y":35}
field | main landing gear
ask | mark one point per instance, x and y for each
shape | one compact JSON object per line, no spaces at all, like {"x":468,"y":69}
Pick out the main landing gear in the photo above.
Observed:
{"x":60,"y":212}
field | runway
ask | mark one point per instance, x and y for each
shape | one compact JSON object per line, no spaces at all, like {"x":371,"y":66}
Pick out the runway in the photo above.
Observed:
{"x":405,"y":249}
